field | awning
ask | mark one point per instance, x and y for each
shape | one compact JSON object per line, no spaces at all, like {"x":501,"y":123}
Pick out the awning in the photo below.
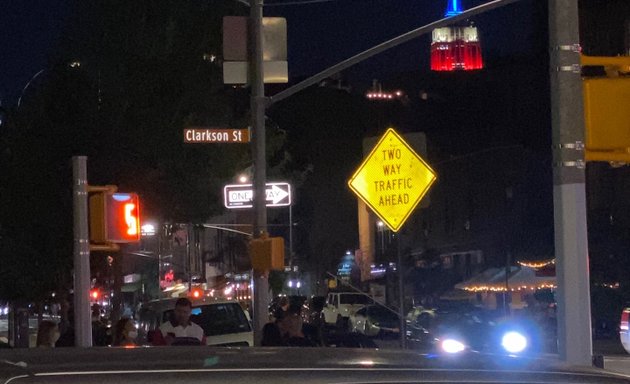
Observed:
{"x":519,"y":279}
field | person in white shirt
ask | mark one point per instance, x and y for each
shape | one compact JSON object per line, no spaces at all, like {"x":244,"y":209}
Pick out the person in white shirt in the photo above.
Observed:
{"x":180,"y":330}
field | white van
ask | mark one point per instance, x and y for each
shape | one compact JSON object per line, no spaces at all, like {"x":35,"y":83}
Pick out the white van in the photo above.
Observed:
{"x":224,"y":322}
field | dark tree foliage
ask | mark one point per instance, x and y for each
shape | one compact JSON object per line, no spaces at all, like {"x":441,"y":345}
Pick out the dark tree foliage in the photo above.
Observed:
{"x":127,"y":77}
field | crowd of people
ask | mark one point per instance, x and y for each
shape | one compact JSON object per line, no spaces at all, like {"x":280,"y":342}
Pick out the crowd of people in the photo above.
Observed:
{"x":285,"y":328}
{"x":179,"y":331}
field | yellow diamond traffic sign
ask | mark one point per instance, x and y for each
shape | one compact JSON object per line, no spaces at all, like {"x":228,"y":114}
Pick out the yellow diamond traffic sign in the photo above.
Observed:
{"x":392,"y":180}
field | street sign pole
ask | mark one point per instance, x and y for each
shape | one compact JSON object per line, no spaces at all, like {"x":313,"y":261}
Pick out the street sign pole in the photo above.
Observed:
{"x":569,"y":195}
{"x":261,"y":283}
{"x":401,"y":294}
{"x":82,"y":323}
{"x":392,"y":180}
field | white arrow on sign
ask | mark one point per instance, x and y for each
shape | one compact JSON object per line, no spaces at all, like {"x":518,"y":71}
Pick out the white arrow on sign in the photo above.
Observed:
{"x":242,"y":195}
{"x":276,"y":194}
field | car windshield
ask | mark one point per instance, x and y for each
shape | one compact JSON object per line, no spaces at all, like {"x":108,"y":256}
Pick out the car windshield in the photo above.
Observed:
{"x":385,"y":174}
{"x":217,"y":319}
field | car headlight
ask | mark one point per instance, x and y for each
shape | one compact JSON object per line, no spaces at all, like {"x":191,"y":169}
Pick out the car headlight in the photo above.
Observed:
{"x":452,"y":346}
{"x":514,"y":342}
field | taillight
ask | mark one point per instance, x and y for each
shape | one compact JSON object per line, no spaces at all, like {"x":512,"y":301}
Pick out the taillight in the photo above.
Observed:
{"x":624,"y":319}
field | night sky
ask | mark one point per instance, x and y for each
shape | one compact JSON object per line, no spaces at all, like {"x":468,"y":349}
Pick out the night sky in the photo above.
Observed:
{"x":319,"y":35}
{"x":28,"y":33}
{"x":514,"y":38}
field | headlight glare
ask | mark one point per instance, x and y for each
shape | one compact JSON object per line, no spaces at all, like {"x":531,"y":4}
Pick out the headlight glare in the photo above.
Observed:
{"x":514,"y":342}
{"x":452,"y":346}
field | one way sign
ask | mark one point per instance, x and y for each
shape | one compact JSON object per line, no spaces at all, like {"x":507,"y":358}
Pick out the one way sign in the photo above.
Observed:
{"x":242,"y":195}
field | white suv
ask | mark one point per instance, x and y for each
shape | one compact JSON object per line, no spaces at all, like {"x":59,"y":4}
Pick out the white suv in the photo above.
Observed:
{"x":340,"y":305}
{"x":224,"y":322}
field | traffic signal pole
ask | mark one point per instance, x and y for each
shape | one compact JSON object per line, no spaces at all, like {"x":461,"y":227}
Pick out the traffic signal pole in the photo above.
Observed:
{"x":261,"y":282}
{"x":569,"y":194}
{"x":82,"y":319}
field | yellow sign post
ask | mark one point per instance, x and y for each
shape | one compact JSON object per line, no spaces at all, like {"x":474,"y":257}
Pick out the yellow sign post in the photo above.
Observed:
{"x":392,"y":180}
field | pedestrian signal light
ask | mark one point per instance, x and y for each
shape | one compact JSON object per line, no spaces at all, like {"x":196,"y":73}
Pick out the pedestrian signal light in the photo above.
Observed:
{"x":123,"y":218}
{"x":114,"y":218}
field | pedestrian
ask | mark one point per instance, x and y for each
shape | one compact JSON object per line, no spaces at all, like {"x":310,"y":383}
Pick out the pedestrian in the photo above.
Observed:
{"x":180,"y":330}
{"x":125,"y":333}
{"x":99,"y":328}
{"x":291,"y":326}
{"x":271,"y":336}
{"x":47,"y":334}
{"x":66,"y":324}
{"x":281,"y":311}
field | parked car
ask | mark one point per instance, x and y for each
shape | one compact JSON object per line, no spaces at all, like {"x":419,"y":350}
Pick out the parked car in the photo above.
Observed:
{"x":374,"y":320}
{"x":224,"y":322}
{"x":624,"y":335}
{"x":340,"y":305}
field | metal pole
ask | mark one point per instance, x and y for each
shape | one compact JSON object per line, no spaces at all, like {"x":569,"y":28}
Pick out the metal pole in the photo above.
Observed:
{"x":261,"y":283}
{"x":571,"y":244}
{"x":401,"y":294}
{"x":291,"y":235}
{"x":508,"y":272}
{"x":188,"y":257}
{"x":159,"y":257}
{"x":82,"y":323}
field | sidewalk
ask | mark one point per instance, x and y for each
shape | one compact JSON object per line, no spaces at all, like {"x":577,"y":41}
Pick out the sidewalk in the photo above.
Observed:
{"x":608,"y":347}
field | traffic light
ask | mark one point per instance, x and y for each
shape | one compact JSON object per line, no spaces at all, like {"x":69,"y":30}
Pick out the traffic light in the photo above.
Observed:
{"x":607,"y":111}
{"x":267,"y":253}
{"x":95,"y":294}
{"x":114,"y":217}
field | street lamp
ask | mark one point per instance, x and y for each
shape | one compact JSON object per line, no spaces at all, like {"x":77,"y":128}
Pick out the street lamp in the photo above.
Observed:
{"x":73,"y":64}
{"x":35,"y":76}
{"x":147,"y":230}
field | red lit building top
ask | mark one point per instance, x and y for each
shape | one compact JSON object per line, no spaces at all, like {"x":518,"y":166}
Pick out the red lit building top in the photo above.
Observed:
{"x":456,"y":47}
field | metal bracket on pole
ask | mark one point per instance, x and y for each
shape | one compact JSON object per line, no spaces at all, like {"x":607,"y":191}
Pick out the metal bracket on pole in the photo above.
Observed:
{"x":577,"y":48}
{"x":578,"y":146}
{"x":102,"y":188}
{"x":575,"y":68}
{"x":109,"y":247}
{"x":579,"y":164}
